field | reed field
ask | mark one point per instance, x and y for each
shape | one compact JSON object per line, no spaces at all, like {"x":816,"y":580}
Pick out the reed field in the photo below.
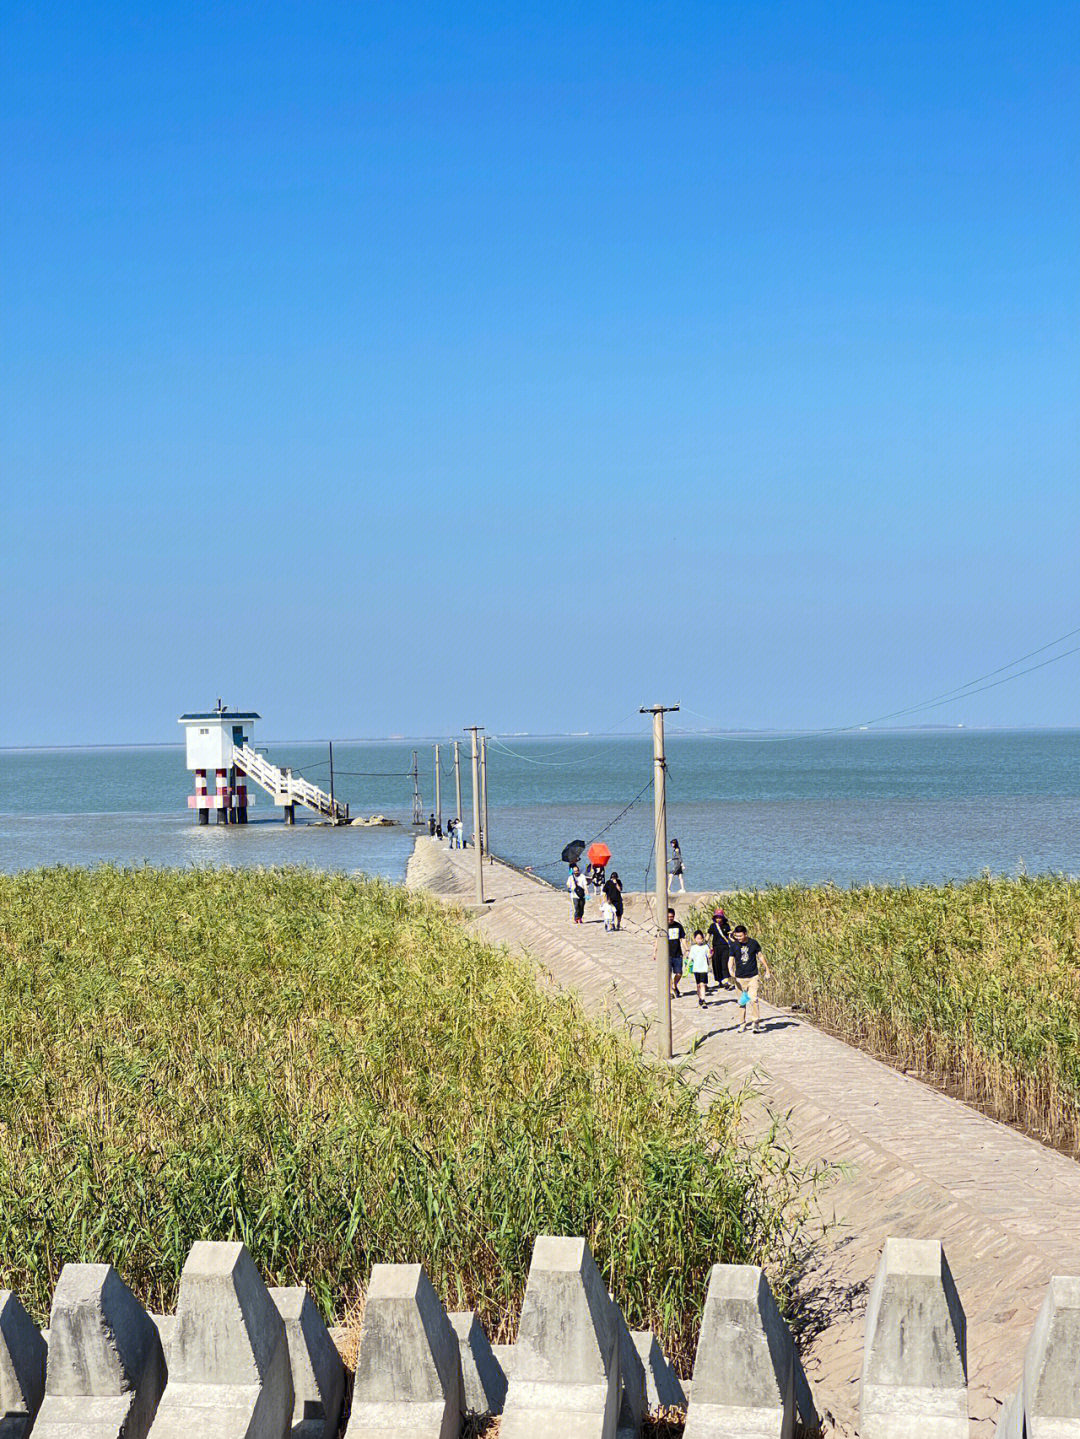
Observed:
{"x":336,"y":1072}
{"x":975,"y":986}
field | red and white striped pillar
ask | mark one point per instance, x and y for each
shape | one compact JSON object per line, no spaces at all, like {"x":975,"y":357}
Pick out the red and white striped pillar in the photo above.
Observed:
{"x":200,"y":801}
{"x":221,"y":798}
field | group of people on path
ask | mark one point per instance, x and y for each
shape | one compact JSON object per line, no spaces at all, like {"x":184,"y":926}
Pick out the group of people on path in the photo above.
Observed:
{"x":596,"y":880}
{"x":453,"y":831}
{"x":736,"y":960}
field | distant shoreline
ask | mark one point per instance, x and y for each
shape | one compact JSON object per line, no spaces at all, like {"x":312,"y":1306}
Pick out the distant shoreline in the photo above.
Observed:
{"x":732,"y":734}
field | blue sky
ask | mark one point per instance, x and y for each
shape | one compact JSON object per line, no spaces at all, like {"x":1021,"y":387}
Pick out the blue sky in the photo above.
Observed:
{"x":387,"y":368}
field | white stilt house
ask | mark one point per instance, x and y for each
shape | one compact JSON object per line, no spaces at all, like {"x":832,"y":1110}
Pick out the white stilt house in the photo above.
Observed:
{"x":220,"y":740}
{"x":213,"y":742}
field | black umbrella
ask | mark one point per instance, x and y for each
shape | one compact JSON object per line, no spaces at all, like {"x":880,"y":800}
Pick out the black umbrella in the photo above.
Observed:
{"x":573,"y":851}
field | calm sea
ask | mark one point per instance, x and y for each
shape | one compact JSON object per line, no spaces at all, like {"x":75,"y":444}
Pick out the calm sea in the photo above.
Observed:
{"x":871,"y":807}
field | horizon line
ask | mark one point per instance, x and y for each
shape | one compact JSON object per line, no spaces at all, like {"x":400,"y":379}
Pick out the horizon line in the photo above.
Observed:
{"x":848,"y":731}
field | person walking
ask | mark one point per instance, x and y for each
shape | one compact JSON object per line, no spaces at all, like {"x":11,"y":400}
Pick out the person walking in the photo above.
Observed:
{"x":431,"y":825}
{"x":675,"y":936}
{"x":746,"y":964}
{"x":699,"y":966}
{"x":675,"y":869}
{"x":719,"y":942}
{"x":613,"y":895}
{"x":575,"y":884}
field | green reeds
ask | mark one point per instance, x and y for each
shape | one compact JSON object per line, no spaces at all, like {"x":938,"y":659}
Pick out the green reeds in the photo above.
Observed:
{"x":974,"y":985}
{"x":338,"y":1073}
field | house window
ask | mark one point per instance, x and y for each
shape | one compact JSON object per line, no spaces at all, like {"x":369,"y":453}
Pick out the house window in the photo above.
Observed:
{"x":204,"y":731}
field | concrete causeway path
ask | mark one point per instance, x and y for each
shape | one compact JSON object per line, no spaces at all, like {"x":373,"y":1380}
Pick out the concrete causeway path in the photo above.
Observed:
{"x":916,"y":1163}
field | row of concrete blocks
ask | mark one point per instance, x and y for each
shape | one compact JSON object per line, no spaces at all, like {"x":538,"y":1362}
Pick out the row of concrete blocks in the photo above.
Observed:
{"x":239,"y":1361}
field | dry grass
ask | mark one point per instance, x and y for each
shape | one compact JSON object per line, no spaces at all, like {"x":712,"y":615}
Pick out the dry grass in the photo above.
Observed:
{"x":976,"y":986}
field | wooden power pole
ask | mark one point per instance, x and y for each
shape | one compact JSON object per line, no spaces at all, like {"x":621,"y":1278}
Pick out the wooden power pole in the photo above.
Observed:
{"x":438,"y":790}
{"x":663,"y":973}
{"x":483,"y":793}
{"x":457,"y":778}
{"x":417,"y":801}
{"x":474,"y":730}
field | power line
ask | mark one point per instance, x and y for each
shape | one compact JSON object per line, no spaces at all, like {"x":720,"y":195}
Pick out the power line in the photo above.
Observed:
{"x":972,"y":687}
{"x":546,"y":763}
{"x":951,"y":699}
{"x":960,"y":691}
{"x":375,"y":773}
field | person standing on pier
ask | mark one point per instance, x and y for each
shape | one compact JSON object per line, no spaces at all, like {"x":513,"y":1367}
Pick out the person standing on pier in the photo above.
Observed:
{"x":675,"y":868}
{"x":675,"y":936}
{"x":699,"y":966}
{"x":575,"y":884}
{"x":719,"y":944}
{"x":613,"y":895}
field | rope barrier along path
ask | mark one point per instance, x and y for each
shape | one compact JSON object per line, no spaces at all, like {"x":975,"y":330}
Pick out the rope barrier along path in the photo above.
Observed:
{"x":560,"y":864}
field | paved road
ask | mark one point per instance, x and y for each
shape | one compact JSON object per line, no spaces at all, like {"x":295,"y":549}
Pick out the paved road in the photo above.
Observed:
{"x":916,"y":1163}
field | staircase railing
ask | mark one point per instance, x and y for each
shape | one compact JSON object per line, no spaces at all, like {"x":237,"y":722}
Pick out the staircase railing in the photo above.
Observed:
{"x":286,"y":787}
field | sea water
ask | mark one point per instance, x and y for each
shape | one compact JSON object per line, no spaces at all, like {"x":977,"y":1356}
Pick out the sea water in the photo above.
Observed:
{"x":748,"y":811}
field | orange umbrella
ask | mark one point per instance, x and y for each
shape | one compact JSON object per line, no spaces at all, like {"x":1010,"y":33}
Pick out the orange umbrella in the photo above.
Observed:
{"x":599,"y":854}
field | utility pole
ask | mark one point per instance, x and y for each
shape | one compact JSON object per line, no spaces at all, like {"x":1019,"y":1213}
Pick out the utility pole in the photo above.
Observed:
{"x":417,"y":801}
{"x":474,"y":730}
{"x":438,"y":790}
{"x":457,"y":777}
{"x":333,"y":806}
{"x":483,"y":793}
{"x":663,"y":974}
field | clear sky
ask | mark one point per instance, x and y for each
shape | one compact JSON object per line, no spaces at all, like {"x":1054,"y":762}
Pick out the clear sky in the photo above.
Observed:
{"x":392,"y":367}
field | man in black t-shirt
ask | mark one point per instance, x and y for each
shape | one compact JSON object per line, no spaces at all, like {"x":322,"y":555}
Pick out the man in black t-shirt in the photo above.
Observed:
{"x":675,"y":936}
{"x":745,"y":962}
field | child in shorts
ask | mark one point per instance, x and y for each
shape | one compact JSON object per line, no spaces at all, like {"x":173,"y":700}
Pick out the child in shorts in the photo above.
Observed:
{"x":699,"y":964}
{"x":607,"y":914}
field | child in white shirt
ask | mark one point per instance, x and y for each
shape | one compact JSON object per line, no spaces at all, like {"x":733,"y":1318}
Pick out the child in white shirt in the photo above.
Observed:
{"x":699,"y":963}
{"x":607,"y":913}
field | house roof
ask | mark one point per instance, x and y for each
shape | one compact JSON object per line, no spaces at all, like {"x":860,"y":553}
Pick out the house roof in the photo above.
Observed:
{"x":221,"y":715}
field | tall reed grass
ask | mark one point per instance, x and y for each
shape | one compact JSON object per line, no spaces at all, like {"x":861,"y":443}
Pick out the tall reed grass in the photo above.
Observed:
{"x":975,"y":985}
{"x":338,"y":1073}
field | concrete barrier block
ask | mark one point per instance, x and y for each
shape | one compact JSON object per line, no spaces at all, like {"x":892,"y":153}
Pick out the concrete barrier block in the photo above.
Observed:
{"x":663,"y":1387}
{"x":105,"y":1369}
{"x":408,"y":1366}
{"x":1051,"y":1387}
{"x":744,"y":1369}
{"x":165,"y":1324}
{"x":229,"y":1371}
{"x":22,"y":1368}
{"x":504,"y":1357}
{"x":914,"y":1373}
{"x":483,"y":1380}
{"x":566,"y":1359}
{"x":633,"y":1407}
{"x":318,"y":1374}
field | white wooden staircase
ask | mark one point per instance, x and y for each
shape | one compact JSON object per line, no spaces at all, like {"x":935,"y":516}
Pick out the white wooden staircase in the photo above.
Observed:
{"x":288,"y":788}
